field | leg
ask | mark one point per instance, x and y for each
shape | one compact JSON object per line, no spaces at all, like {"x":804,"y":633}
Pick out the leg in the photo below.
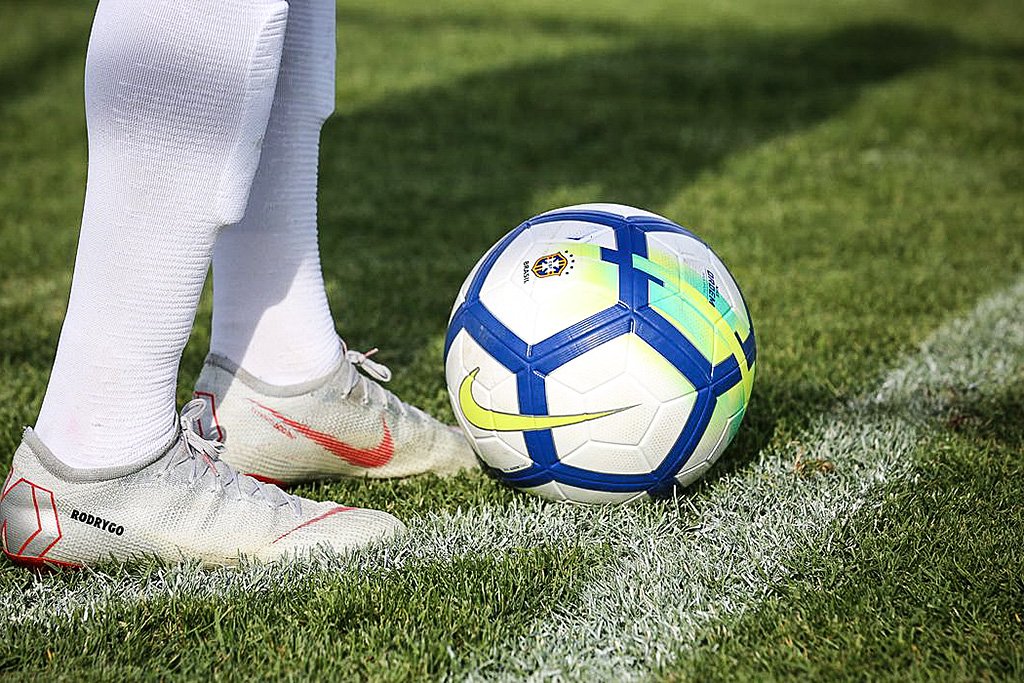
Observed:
{"x":281,"y":392}
{"x":176,"y":108}
{"x":270,"y":311}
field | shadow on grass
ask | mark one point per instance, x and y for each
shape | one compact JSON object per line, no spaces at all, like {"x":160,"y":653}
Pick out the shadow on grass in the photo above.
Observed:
{"x":415,"y":189}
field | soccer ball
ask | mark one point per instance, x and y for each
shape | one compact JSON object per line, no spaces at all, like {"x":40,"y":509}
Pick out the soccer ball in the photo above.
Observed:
{"x":599,"y":353}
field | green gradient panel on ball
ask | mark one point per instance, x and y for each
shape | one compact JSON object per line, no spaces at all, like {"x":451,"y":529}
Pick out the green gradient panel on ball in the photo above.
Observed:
{"x":677,"y":301}
{"x":668,"y":267}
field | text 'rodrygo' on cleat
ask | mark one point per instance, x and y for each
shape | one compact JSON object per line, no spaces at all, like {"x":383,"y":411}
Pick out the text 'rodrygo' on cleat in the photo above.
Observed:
{"x":185,"y":503}
{"x":342,"y":425}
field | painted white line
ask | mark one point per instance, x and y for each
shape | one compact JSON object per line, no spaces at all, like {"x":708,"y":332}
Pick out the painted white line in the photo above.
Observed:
{"x":674,"y":570}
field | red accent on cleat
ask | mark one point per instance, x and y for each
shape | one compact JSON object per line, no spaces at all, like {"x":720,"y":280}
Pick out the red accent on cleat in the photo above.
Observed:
{"x":267,"y":480}
{"x":378,"y":456}
{"x":41,"y":563}
{"x":332,"y":511}
{"x":44,"y":513}
{"x":207,"y":396}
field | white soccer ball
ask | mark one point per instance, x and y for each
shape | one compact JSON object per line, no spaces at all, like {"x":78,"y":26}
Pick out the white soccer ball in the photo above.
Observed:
{"x":599,"y":353}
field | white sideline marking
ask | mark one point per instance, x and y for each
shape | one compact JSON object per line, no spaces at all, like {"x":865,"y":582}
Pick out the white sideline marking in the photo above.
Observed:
{"x":674,"y":573}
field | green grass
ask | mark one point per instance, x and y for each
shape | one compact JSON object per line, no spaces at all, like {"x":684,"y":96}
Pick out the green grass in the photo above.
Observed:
{"x":354,"y":625}
{"x":857,"y":164}
{"x":926,"y":583}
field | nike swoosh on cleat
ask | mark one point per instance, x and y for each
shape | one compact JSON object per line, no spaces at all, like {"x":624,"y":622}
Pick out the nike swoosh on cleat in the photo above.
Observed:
{"x":332,"y":511}
{"x":378,"y":456}
{"x":493,"y":420}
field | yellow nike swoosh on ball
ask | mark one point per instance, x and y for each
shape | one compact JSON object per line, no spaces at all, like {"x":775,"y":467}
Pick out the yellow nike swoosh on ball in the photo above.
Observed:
{"x":493,"y":420}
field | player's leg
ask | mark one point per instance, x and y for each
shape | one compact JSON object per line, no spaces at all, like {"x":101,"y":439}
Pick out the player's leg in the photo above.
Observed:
{"x":177,"y":99}
{"x":286,"y":396}
{"x":270,"y":312}
{"x":176,"y":105}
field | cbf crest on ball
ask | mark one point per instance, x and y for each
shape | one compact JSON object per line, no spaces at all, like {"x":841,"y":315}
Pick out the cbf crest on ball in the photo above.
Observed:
{"x":599,"y":353}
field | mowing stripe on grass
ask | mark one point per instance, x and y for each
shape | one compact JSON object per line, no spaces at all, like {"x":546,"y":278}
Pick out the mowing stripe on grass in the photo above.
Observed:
{"x":674,"y":569}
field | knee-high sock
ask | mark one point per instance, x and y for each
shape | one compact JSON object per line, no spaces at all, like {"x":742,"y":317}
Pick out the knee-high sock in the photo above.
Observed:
{"x":178,"y":94}
{"x":270,"y":310}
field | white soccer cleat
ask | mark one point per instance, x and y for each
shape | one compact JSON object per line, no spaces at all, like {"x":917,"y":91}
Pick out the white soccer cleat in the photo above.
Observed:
{"x":344,"y":425}
{"x":184,"y":504}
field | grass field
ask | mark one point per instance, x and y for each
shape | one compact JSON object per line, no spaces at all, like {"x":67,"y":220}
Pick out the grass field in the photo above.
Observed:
{"x":859,"y":164}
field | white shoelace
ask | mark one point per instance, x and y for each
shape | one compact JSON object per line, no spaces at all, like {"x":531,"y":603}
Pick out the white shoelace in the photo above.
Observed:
{"x":378,"y":371}
{"x":204,"y":457}
{"x":371,"y":391}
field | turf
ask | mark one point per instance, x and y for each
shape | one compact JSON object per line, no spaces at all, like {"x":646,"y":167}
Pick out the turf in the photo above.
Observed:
{"x":355,"y":626}
{"x":857,"y":164}
{"x":925,"y":584}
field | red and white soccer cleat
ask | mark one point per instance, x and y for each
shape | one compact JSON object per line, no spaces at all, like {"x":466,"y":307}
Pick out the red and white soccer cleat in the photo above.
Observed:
{"x":343,"y":425}
{"x":184,"y":503}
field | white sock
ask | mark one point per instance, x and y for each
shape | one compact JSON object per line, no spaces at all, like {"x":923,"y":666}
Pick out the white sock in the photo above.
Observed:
{"x":270,"y":310}
{"x":178,"y":95}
